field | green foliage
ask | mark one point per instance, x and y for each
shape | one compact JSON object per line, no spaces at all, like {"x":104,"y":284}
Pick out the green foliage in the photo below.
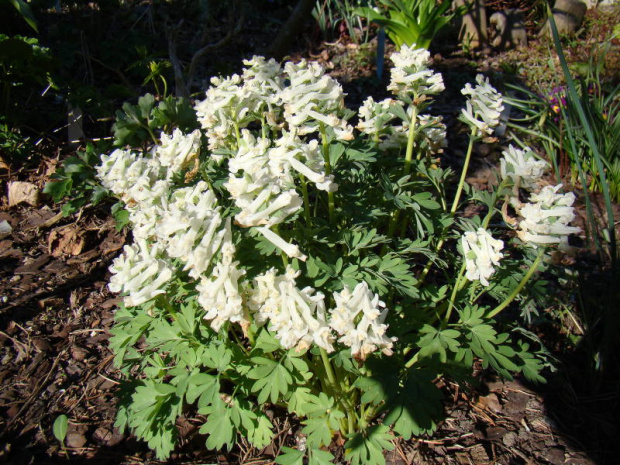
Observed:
{"x":336,"y":16}
{"x":25,"y":69}
{"x":412,"y":22}
{"x":25,"y":12}
{"x":13,"y":146}
{"x":76,"y":179}
{"x":414,"y":407}
{"x":60,"y":428}
{"x":366,"y":447}
{"x":138,"y":124}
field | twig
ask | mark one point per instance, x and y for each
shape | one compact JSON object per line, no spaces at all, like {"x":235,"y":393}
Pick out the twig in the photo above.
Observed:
{"x":210,"y":47}
{"x":109,"y":68}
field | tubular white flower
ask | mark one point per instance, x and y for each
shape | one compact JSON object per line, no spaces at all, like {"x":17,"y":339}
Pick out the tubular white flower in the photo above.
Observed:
{"x":126,"y":174}
{"x":482,"y":253}
{"x":358,"y":318}
{"x":522,"y":164}
{"x":291,"y":250}
{"x":291,"y":152}
{"x":375,"y":116}
{"x":219,"y":293}
{"x":222,"y":109}
{"x":483,"y":107}
{"x":546,"y":218}
{"x":190,"y":227}
{"x":296,"y":316}
{"x":411,"y":76}
{"x":251,"y":155}
{"x":140,"y":273}
{"x":313,"y":98}
{"x":177,"y":151}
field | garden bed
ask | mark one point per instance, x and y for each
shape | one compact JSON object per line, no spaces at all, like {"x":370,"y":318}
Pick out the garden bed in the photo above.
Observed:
{"x":56,"y":313}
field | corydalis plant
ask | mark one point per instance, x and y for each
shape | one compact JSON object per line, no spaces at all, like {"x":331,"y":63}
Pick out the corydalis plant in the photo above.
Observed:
{"x":279,"y":260}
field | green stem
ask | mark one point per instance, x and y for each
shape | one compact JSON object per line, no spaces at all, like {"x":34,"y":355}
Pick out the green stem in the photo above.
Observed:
{"x":411,"y":139}
{"x":304,"y":190}
{"x":331,"y":204}
{"x":457,"y":287}
{"x":152,"y":135}
{"x":520,"y":287}
{"x":459,"y":189}
{"x":331,"y":377}
{"x":276,"y":230}
{"x":413,"y":360}
{"x":407,"y":168}
{"x":165,"y":87}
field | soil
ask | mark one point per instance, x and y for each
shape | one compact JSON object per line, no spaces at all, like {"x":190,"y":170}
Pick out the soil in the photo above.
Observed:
{"x":56,"y":313}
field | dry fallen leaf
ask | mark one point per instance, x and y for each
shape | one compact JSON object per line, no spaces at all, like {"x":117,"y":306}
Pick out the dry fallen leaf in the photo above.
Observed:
{"x":23,"y":192}
{"x":66,"y":241}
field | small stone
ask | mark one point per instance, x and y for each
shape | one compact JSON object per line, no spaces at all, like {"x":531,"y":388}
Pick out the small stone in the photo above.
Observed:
{"x":107,"y":436}
{"x":5,"y":229}
{"x":75,"y":440}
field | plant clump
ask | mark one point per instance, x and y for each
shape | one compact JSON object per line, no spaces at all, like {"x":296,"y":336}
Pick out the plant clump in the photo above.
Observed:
{"x":284,"y":258}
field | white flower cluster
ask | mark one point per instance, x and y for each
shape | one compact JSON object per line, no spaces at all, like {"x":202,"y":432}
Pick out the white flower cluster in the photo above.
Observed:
{"x":179,"y":225}
{"x":313,"y":98}
{"x":234,"y":102}
{"x":358,"y":318}
{"x":140,"y":273}
{"x":298,"y":316}
{"x":483,"y":108}
{"x":546,"y":217}
{"x":375,"y":118}
{"x":522,"y":166}
{"x":482,"y":253}
{"x":411,"y":78}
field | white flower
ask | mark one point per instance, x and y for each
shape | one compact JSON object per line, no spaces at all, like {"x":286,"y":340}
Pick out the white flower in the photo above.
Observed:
{"x":375,"y":116}
{"x":430,"y":139}
{"x":219,"y":293}
{"x":126,"y":173}
{"x":313,"y":98}
{"x":546,"y":218}
{"x":190,"y":227}
{"x":522,"y":164}
{"x":296,"y":316}
{"x":140,"y":273}
{"x":221,"y":110}
{"x":358,"y":318}
{"x":291,"y":250}
{"x":481,"y":252}
{"x":483,"y":107}
{"x":411,"y":77}
{"x":177,"y":151}
{"x":306,"y":159}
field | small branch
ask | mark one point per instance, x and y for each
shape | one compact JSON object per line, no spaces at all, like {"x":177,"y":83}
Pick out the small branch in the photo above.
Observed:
{"x":109,"y":68}
{"x":182,"y":90}
{"x":214,"y":46}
